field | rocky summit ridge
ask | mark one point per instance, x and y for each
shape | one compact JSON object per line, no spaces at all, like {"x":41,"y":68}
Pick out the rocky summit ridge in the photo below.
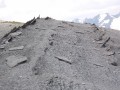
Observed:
{"x":46,"y":54}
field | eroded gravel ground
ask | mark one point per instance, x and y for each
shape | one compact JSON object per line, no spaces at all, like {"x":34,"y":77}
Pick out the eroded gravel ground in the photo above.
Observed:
{"x":60,"y":56}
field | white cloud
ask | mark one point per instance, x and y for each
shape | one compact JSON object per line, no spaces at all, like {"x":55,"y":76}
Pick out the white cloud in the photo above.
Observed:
{"x":2,"y":4}
{"x":22,"y":10}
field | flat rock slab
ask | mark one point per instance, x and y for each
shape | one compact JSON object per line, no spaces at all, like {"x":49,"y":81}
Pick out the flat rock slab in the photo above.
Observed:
{"x":15,"y":34}
{"x":109,"y":53}
{"x":100,"y":42}
{"x":16,"y":48}
{"x":13,"y":61}
{"x":2,"y":46}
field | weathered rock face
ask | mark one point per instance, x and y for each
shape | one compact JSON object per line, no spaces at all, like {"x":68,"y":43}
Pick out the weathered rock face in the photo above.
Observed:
{"x":46,"y":54}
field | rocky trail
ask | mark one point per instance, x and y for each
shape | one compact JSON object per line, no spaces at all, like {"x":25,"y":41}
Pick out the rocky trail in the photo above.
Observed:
{"x":46,"y":54}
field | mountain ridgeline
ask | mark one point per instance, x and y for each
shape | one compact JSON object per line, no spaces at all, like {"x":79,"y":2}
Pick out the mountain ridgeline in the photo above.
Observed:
{"x":104,"y":20}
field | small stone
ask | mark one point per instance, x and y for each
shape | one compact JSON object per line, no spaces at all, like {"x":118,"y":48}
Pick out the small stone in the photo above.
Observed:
{"x":2,"y":46}
{"x":47,"y":18}
{"x":61,"y":26}
{"x":83,"y":83}
{"x":114,"y":64}
{"x":13,"y":61}
{"x":63,"y":59}
{"x":118,"y":52}
{"x":109,"y":53}
{"x":17,"y":48}
{"x":100,"y":42}
{"x":20,"y":76}
{"x":79,"y":32}
{"x":15,"y":34}
{"x":89,"y":89}
{"x":6,"y":42}
{"x":43,"y":29}
{"x":96,"y":49}
{"x":51,"y":43}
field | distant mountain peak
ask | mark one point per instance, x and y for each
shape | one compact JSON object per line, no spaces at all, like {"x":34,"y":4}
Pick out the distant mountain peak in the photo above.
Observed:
{"x":104,"y":20}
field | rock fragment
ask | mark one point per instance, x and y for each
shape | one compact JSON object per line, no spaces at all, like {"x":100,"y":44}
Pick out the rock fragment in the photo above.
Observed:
{"x":16,"y":48}
{"x":100,"y":42}
{"x":13,"y":60}
{"x":61,"y":26}
{"x":63,"y":59}
{"x":100,"y":37}
{"x":2,"y":46}
{"x":104,"y":44}
{"x":79,"y":32}
{"x":47,"y":18}
{"x":15,"y":34}
{"x":98,"y":65}
{"x":31,"y":22}
{"x":109,"y":53}
{"x":114,"y":64}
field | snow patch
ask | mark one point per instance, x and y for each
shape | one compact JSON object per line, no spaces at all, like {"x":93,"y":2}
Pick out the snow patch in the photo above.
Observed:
{"x":116,"y":24}
{"x":106,"y":21}
{"x":102,"y":16}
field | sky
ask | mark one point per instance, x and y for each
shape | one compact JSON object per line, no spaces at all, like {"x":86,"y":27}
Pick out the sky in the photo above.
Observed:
{"x":24,"y":10}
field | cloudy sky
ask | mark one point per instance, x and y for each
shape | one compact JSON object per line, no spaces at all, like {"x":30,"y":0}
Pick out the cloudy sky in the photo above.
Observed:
{"x":23,"y":10}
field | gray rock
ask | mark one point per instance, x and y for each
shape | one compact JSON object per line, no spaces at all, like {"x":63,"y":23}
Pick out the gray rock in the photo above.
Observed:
{"x":2,"y":46}
{"x":15,"y":34}
{"x":17,"y":48}
{"x":63,"y":59}
{"x":100,"y":42}
{"x":13,"y":61}
{"x":109,"y":53}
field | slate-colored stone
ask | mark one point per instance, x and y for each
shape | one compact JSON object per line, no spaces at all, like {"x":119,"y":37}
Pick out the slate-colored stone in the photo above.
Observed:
{"x":13,"y":60}
{"x":17,"y":48}
{"x":15,"y":34}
